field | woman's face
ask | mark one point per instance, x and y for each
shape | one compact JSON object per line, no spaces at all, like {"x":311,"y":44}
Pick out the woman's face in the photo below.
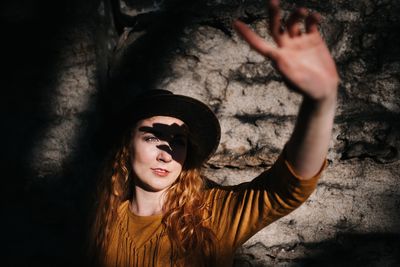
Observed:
{"x":158,"y":152}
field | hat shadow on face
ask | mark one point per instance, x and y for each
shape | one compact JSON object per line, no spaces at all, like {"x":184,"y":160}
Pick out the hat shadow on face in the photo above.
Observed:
{"x":176,"y":136}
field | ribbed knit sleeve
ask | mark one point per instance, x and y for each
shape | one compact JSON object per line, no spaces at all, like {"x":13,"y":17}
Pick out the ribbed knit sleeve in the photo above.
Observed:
{"x":238,"y":212}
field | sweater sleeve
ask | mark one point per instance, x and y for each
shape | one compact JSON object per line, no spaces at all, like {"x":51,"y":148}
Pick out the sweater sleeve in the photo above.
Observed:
{"x":240,"y":211}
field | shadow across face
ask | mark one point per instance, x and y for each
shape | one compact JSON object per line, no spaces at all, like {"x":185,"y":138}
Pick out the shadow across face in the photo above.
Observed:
{"x":172,"y":139}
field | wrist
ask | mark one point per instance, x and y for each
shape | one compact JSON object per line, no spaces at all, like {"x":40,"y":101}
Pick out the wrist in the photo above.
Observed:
{"x":322,"y":105}
{"x":329,"y":96}
{"x":323,"y":92}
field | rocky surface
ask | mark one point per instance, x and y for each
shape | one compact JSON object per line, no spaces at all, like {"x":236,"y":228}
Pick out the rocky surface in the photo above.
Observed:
{"x":63,"y":78}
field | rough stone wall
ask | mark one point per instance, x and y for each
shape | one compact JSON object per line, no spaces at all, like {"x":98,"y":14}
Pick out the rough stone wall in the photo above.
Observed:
{"x":353,"y":216}
{"x":72,"y":73}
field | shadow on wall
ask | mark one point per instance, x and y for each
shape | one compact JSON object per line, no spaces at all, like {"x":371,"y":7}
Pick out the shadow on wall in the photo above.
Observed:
{"x":41,"y":214}
{"x":141,"y":53}
{"x":347,"y":249}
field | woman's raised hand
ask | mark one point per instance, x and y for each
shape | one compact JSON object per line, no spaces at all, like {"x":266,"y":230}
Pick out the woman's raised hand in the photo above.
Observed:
{"x":301,"y":56}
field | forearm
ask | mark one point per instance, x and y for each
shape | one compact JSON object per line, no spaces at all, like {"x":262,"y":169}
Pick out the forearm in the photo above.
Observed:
{"x":307,"y":148}
{"x":303,"y":58}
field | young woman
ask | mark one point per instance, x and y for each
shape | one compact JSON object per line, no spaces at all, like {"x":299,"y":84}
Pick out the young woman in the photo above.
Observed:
{"x":154,"y":207}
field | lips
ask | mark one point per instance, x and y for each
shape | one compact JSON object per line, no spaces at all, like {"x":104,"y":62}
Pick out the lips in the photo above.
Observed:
{"x":160,"y":172}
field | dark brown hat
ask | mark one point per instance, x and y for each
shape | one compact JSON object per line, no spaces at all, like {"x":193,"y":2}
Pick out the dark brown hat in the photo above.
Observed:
{"x":204,"y":127}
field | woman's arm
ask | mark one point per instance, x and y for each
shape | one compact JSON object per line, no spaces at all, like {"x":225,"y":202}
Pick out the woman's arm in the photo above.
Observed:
{"x":303,"y":58}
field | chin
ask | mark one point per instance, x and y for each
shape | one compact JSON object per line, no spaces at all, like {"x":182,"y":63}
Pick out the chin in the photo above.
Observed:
{"x":155,"y":184}
{"x":157,"y":187}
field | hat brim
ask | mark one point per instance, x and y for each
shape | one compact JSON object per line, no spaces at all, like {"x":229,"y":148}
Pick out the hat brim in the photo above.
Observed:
{"x":204,"y":127}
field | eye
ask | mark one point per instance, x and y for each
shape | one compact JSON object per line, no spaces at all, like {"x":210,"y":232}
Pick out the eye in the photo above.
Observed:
{"x":151,"y":138}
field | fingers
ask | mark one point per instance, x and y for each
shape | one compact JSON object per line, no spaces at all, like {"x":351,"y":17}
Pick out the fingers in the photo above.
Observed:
{"x":281,"y":37}
{"x":293,"y":23}
{"x":275,"y":21}
{"x":254,"y":40}
{"x":312,"y":22}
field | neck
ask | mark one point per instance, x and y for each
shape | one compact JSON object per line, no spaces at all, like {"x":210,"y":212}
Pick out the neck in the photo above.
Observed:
{"x":146,"y":203}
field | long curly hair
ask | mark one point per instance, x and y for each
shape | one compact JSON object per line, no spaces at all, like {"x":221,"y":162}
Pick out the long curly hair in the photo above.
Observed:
{"x":185,"y":213}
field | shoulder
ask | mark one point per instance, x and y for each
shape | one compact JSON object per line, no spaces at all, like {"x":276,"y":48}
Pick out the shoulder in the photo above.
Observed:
{"x":214,"y":192}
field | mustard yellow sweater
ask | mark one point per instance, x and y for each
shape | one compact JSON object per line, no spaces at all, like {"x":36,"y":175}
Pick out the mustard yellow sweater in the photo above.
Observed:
{"x":237,"y":213}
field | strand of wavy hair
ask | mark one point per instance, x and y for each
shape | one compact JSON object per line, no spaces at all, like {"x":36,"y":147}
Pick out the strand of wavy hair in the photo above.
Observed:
{"x":113,"y":188}
{"x":185,"y":218}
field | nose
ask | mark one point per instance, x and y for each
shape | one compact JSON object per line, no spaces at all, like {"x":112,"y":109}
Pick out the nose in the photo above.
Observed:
{"x":164,"y":153}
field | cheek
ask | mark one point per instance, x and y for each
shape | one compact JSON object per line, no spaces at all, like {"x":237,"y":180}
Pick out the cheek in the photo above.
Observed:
{"x":142,"y":155}
{"x":180,"y":156}
{"x":183,"y":158}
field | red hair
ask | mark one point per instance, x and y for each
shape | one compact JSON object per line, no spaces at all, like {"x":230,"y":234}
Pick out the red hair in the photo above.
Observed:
{"x":185,"y":212}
